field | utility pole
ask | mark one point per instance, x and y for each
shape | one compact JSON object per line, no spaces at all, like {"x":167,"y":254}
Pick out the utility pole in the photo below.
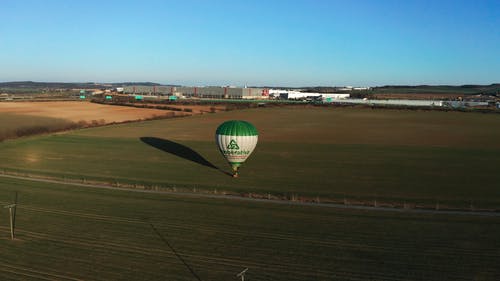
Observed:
{"x":242,"y":274}
{"x":12,"y":215}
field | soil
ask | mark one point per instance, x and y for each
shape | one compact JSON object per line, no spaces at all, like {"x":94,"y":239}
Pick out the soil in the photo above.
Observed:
{"x":86,"y":111}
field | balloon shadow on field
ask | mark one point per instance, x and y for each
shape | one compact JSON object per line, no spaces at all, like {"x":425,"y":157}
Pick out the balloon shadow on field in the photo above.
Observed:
{"x":180,"y":150}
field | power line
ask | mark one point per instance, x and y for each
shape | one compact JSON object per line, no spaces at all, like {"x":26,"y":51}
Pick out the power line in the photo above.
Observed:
{"x":175,"y":252}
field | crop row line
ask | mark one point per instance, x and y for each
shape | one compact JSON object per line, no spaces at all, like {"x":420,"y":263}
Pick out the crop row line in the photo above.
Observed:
{"x":29,"y":272}
{"x":325,"y":241}
{"x":106,"y":247}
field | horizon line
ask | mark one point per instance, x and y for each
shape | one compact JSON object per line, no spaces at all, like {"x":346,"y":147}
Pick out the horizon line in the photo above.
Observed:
{"x":252,"y":86}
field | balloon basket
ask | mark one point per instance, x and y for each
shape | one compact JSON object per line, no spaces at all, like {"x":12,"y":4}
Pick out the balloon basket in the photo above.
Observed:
{"x":235,"y":172}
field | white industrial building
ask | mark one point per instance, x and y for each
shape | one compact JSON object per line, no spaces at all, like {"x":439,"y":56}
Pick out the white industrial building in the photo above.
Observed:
{"x":297,"y":95}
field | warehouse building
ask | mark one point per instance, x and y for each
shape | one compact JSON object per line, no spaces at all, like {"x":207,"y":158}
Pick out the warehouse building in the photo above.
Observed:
{"x":148,"y":90}
{"x":200,"y":92}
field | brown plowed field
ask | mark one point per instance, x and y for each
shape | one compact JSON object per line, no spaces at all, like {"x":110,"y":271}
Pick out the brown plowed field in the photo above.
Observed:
{"x":192,"y":108}
{"x":78,"y":111}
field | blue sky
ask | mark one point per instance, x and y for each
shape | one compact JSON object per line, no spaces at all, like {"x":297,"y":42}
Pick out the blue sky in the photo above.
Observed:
{"x":217,"y":42}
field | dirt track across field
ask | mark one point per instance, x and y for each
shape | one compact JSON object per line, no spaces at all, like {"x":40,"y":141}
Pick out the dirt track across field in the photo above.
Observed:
{"x":77,"y":111}
{"x":270,"y":201}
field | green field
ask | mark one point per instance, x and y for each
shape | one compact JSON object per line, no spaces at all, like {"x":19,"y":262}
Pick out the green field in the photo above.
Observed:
{"x":393,"y":156}
{"x":65,"y":232}
{"x":74,"y":233}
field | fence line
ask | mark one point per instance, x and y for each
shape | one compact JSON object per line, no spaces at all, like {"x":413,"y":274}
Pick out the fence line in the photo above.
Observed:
{"x":444,"y":205}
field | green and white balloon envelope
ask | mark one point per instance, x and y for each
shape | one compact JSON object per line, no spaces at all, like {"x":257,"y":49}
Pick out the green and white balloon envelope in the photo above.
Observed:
{"x":236,"y":140}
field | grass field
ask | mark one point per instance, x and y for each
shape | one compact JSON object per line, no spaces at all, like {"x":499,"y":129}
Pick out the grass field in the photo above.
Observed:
{"x":361,"y":154}
{"x":73,"y":233}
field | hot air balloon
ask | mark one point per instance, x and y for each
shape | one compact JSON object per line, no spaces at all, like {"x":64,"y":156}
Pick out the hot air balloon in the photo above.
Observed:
{"x":236,"y":140}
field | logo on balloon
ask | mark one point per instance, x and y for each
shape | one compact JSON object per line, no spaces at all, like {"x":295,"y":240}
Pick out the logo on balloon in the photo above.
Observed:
{"x":233,"y":149}
{"x":233,"y":145}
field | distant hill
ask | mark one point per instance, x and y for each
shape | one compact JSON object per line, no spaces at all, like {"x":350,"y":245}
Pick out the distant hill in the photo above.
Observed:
{"x":64,"y":85}
{"x":492,"y":89}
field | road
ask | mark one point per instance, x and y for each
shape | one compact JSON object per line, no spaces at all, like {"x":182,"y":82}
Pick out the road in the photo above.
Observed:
{"x":268,"y":201}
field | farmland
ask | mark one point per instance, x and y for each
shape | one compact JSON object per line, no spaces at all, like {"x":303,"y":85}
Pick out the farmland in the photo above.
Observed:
{"x":79,"y":111}
{"x":70,"y":233}
{"x":325,"y":153}
{"x":30,"y":118}
{"x":15,"y":125}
